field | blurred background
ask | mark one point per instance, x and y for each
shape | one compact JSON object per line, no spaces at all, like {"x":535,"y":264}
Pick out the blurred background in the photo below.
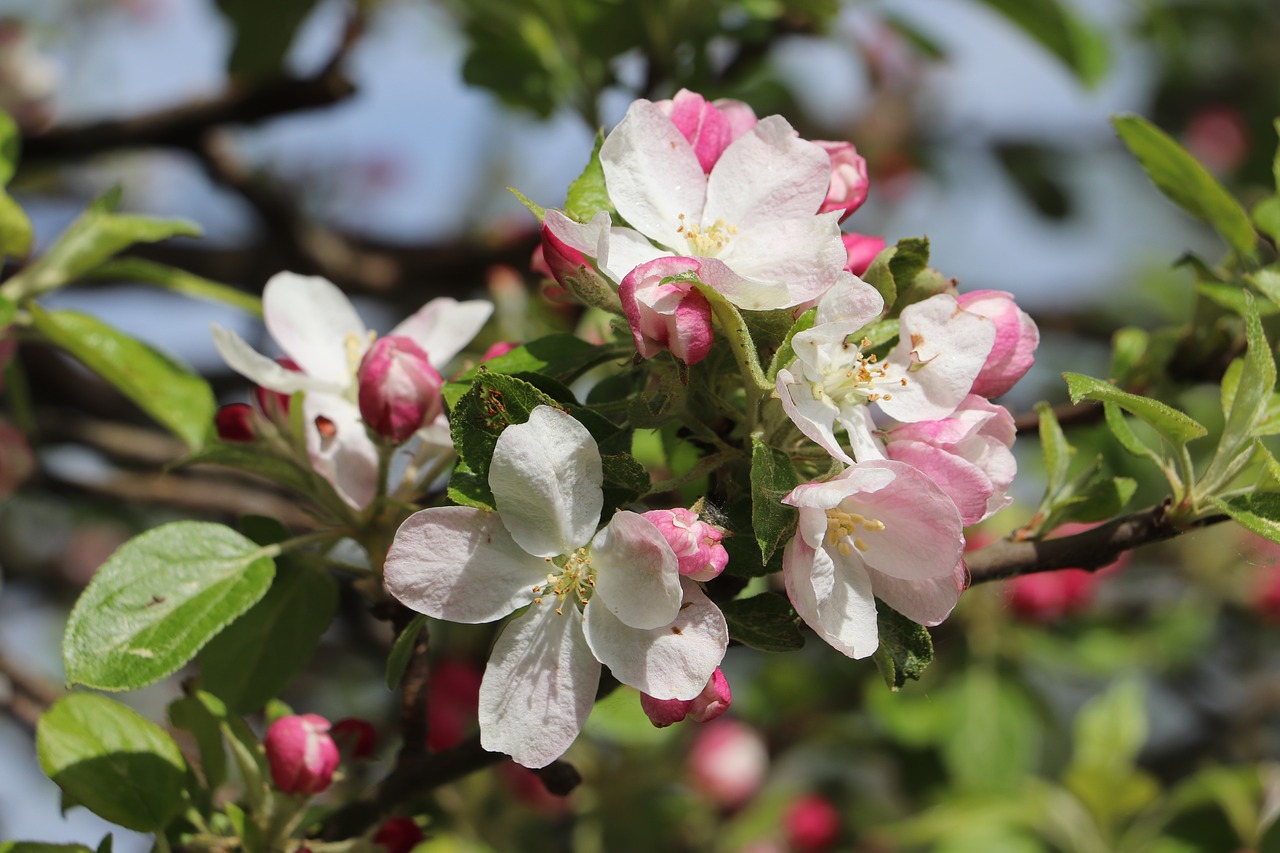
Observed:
{"x":372,"y":143}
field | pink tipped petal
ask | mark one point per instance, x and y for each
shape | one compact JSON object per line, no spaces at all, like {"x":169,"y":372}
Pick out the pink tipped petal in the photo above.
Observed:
{"x":839,"y":607}
{"x":674,"y":661}
{"x":769,"y":174}
{"x":539,"y":686}
{"x":653,"y":174}
{"x":922,"y":536}
{"x":461,"y":564}
{"x":1016,"y":340}
{"x":444,"y":326}
{"x":928,"y":602}
{"x":339,"y":448}
{"x":706,"y":128}
{"x":546,"y":479}
{"x":739,"y":115}
{"x":267,"y":372}
{"x":637,"y":576}
{"x":312,"y":321}
{"x":849,"y":182}
{"x":963,"y":481}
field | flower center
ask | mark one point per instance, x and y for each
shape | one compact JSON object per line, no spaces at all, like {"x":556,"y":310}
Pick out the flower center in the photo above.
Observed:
{"x":854,"y":378}
{"x":706,"y":242}
{"x":574,"y":577}
{"x":842,"y":530}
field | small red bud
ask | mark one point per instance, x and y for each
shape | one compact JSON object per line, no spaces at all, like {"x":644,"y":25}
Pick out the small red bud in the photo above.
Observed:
{"x":356,"y":737}
{"x":234,"y":422}
{"x":398,"y":835}
{"x":301,"y":754}
{"x":399,"y":389}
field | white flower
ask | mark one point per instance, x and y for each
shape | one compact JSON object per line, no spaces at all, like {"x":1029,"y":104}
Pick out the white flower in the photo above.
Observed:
{"x":752,"y":221}
{"x":315,"y":324}
{"x":613,"y":597}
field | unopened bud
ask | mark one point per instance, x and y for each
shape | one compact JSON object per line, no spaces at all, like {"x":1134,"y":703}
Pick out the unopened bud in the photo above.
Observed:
{"x":399,"y":389}
{"x":862,"y":250}
{"x":398,"y":835}
{"x":355,"y":737}
{"x":696,"y":543}
{"x":728,"y":761}
{"x":713,"y":701}
{"x":234,"y":422}
{"x":848,"y":188}
{"x":812,"y":824}
{"x":275,"y":404}
{"x":301,"y":754}
{"x":1017,"y":337}
{"x":667,"y":314}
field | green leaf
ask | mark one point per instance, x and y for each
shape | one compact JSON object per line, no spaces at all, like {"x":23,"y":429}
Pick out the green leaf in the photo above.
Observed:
{"x":1129,"y":439}
{"x":1110,"y":730}
{"x":111,"y":760}
{"x":765,"y":622}
{"x":158,"y":600}
{"x":15,"y":229}
{"x":1258,"y":512}
{"x":179,"y":281}
{"x":493,"y":403}
{"x":1057,"y":452}
{"x":10,"y":147}
{"x":1266,"y":215}
{"x":1268,"y":284}
{"x":177,"y":398}
{"x":561,"y":357}
{"x":587,"y":194}
{"x":262,"y":34}
{"x":1080,"y":47}
{"x":539,"y":212}
{"x":625,"y":479}
{"x":191,"y":715}
{"x":256,"y":656}
{"x":255,"y":460}
{"x":39,"y":847}
{"x":402,"y":651}
{"x":785,"y":354}
{"x":1233,"y":298}
{"x":993,"y":738}
{"x":879,"y":276}
{"x":95,"y":236}
{"x":1128,"y":348}
{"x":905,"y":648}
{"x":1186,"y":183}
{"x":910,"y":258}
{"x":1177,"y":427}
{"x":7,"y":310}
{"x":772,"y":479}
{"x":1247,"y":393}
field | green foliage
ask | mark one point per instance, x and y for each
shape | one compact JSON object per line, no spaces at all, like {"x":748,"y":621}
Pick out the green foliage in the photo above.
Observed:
{"x":111,"y":760}
{"x":1186,"y":183}
{"x":905,"y":649}
{"x":262,"y":34}
{"x":1091,"y":495}
{"x":1109,"y":732}
{"x":1258,"y":512}
{"x":587,"y":194}
{"x":192,"y":715}
{"x":1174,"y":426}
{"x":159,"y":599}
{"x":402,"y":651}
{"x":1079,"y":46}
{"x":177,"y":398}
{"x":772,"y":479}
{"x":765,"y":622}
{"x":284,"y":472}
{"x":176,"y":280}
{"x":15,"y":228}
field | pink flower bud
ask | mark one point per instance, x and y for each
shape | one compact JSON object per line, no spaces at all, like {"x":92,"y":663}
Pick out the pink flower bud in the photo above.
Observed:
{"x":849,"y":181}
{"x":1047,"y":596}
{"x":710,"y":128}
{"x":301,"y":754}
{"x":16,"y":459}
{"x":728,"y":761}
{"x":500,"y":348}
{"x":234,"y":422}
{"x":399,"y":389}
{"x":667,"y":314}
{"x":696,"y":543}
{"x":713,"y":701}
{"x":398,"y":835}
{"x":355,"y":737}
{"x":1016,"y":340}
{"x":812,"y":824}
{"x":275,"y":404}
{"x":862,"y":251}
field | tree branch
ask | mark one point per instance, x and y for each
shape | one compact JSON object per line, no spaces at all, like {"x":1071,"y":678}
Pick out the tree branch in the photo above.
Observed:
{"x":1091,"y":550}
{"x":28,"y":696}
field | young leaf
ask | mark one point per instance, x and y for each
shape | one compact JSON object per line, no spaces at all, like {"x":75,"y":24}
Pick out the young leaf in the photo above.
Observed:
{"x":15,"y":229}
{"x":625,"y":479}
{"x":179,"y":281}
{"x":1266,"y":215}
{"x":168,"y":392}
{"x":772,"y":479}
{"x":587,"y":194}
{"x":879,"y":276}
{"x":1258,"y":512}
{"x":158,"y":600}
{"x":1178,"y":428}
{"x":257,"y":655}
{"x":1080,"y":47}
{"x":283,"y":472}
{"x":191,"y":715}
{"x":402,"y":650}
{"x":493,"y":403}
{"x":111,"y":760}
{"x":764,"y":622}
{"x":905,"y":649}
{"x":1186,"y":183}
{"x":1057,"y":452}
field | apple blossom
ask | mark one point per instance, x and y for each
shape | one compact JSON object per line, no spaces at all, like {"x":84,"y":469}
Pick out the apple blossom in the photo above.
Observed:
{"x":613,"y":597}
{"x":752,"y":220}
{"x":713,"y":701}
{"x":849,"y":182}
{"x":1014,"y":349}
{"x":319,"y":330}
{"x":399,"y":390}
{"x":877,"y":530}
{"x":832,"y":381}
{"x":301,"y":754}
{"x":862,"y":250}
{"x":696,"y":543}
{"x":665,"y":311}
{"x":709,"y":127}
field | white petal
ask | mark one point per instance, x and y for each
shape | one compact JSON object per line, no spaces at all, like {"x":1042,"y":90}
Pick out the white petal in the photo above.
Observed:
{"x":806,"y":255}
{"x":837,"y":603}
{"x":583,"y":236}
{"x":815,"y":417}
{"x":768,"y":174}
{"x":922,"y":538}
{"x":674,"y":661}
{"x":653,"y":175}
{"x":928,"y":602}
{"x":312,"y":321}
{"x":624,"y":250}
{"x":850,"y":301}
{"x":637,"y":573}
{"x":538,"y":688}
{"x":745,"y":292}
{"x":444,"y":326}
{"x":348,"y":459}
{"x":460,"y":563}
{"x":546,"y":479}
{"x":255,"y":366}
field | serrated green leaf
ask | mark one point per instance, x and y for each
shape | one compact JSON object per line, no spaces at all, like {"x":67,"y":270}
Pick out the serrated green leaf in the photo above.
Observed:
{"x":1246,"y":396}
{"x":905,"y":649}
{"x":493,"y":403}
{"x":1124,"y":434}
{"x":773,"y":476}
{"x":1079,"y":46}
{"x":402,"y":651}
{"x":1258,"y":512}
{"x":879,"y":276}
{"x":1186,"y":183}
{"x":179,"y":281}
{"x":111,"y":760}
{"x":625,"y":480}
{"x":257,"y":655}
{"x":766,"y":622}
{"x":466,"y":488}
{"x":191,"y":715}
{"x":561,"y":357}
{"x":1057,"y":452}
{"x":587,"y":195}
{"x":174,"y":396}
{"x":1177,"y":427}
{"x":158,"y":600}
{"x":539,"y":212}
{"x":1233,"y":298}
{"x":95,"y":236}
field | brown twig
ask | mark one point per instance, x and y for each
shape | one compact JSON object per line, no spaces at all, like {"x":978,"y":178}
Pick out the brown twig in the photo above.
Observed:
{"x":28,"y":697}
